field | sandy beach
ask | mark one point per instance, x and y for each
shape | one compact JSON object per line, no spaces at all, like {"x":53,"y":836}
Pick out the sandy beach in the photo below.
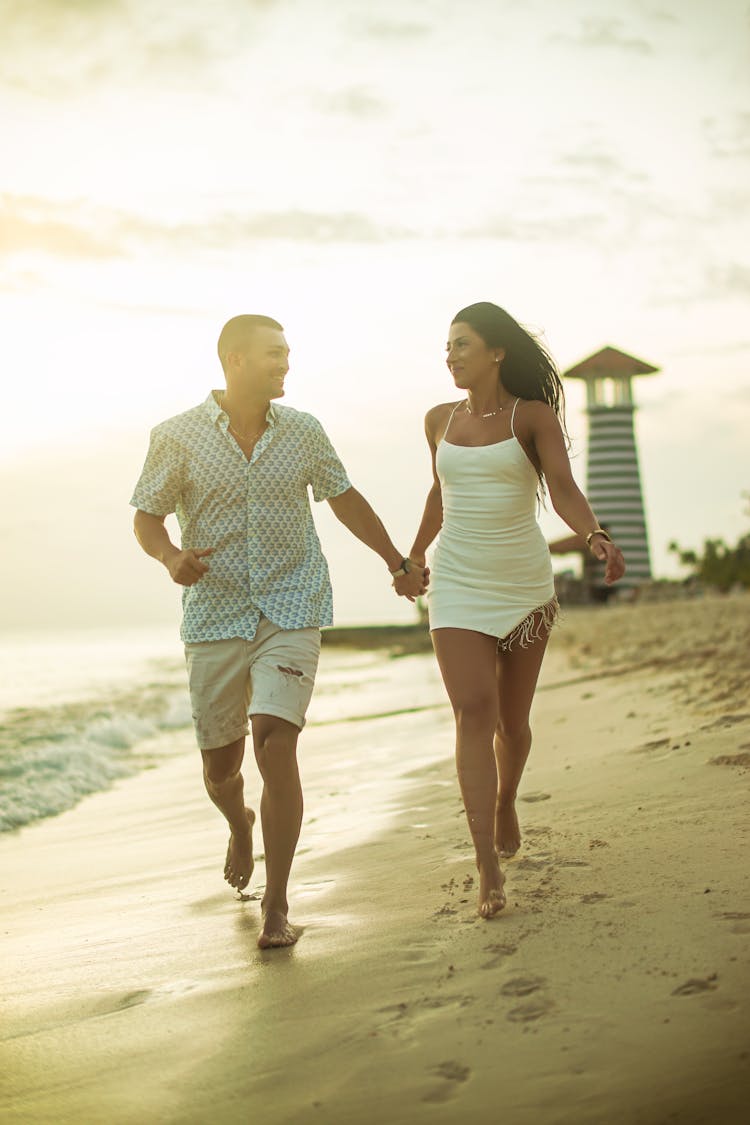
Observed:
{"x":613,"y":989}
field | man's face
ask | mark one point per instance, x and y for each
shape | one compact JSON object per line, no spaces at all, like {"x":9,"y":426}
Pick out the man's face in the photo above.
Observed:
{"x":264,"y":362}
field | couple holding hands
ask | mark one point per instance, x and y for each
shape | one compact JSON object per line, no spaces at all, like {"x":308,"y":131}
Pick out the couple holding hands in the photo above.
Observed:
{"x":256,"y":591}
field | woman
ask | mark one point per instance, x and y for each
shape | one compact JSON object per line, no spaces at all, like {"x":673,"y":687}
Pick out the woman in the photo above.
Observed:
{"x":491,"y":598}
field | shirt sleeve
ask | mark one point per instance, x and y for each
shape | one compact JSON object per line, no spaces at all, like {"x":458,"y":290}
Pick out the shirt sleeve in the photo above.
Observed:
{"x":160,"y":483}
{"x":328,"y":475}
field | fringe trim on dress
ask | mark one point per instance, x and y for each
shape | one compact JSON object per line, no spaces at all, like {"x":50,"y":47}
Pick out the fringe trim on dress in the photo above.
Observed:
{"x":537,"y":625}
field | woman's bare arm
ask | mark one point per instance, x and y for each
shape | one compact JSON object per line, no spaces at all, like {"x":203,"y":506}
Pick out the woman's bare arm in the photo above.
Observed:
{"x":541,"y":427}
{"x":432,"y":519}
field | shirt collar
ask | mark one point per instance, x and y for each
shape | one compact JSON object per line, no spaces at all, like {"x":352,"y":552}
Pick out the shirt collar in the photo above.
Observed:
{"x":217,"y":414}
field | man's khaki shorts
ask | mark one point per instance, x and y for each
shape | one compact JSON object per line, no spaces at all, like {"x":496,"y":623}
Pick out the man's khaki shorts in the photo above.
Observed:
{"x":273,"y":674}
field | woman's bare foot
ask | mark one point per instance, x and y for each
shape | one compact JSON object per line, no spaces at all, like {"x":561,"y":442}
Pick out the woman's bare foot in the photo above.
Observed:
{"x":239,"y":863}
{"x":491,"y":892}
{"x":276,"y":932}
{"x":507,"y":830}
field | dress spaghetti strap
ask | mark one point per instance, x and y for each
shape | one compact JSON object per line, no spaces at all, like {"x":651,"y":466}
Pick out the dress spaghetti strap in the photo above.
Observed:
{"x":453,"y":411}
{"x":513,"y":417}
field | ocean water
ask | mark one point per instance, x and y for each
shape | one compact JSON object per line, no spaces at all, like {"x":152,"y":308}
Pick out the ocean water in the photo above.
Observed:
{"x":80,"y":710}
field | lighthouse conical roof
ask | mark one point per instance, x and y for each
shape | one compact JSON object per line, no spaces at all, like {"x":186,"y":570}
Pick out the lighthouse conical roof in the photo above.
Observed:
{"x":609,"y":362}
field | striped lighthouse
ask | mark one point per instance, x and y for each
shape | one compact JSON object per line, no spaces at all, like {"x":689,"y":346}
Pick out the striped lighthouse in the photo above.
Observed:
{"x":613,"y":479}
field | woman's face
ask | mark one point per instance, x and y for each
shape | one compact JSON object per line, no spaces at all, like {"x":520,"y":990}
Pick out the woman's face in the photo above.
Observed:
{"x":470,"y":361}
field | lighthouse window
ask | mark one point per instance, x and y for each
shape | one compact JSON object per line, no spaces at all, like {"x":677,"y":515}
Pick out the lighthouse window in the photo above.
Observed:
{"x":611,"y":392}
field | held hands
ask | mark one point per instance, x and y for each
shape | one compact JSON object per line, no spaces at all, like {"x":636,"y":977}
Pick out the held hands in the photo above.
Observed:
{"x":413,"y":584}
{"x":187,"y":567}
{"x":608,"y":552}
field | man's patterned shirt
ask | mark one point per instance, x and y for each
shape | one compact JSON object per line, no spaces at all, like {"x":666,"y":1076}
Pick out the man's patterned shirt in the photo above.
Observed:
{"x":255,"y":514}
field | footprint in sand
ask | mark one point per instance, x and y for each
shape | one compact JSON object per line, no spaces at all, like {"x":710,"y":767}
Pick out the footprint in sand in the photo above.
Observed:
{"x":697,"y":984}
{"x":730,"y":760}
{"x":501,"y":951}
{"x":529,"y":864}
{"x":532,"y":798}
{"x":419,"y":952}
{"x":531,"y":1010}
{"x":595,"y":896}
{"x":741,"y":921}
{"x":431,"y":1003}
{"x":131,"y":999}
{"x":522,"y":986}
{"x":452,"y":1074}
{"x":445,"y":911}
{"x":394,"y":1011}
{"x":653,"y":744}
{"x":538,"y":831}
{"x":408,"y":1011}
{"x":726,"y":721}
{"x":453,"y":1071}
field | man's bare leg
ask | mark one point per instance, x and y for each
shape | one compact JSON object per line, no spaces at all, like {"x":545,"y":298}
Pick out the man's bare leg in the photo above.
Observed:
{"x":275,"y":742}
{"x":225,"y":786}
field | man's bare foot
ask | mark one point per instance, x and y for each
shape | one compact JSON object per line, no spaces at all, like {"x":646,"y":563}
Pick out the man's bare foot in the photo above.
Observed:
{"x":239,"y":863}
{"x":491,"y":892}
{"x":507,"y":830}
{"x":276,"y":932}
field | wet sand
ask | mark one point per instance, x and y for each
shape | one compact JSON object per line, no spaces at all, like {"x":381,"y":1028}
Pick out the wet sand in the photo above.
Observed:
{"x":612,"y":989}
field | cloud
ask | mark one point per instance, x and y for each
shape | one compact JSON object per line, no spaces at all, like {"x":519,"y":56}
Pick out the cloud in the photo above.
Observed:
{"x":659,"y":15}
{"x":83,"y":232}
{"x":399,"y":30}
{"x":21,"y":281}
{"x":729,"y":280}
{"x":550,"y":228}
{"x":728,"y":137}
{"x":62,"y":231}
{"x":732,"y":202}
{"x":604,"y":33}
{"x":599,"y":163}
{"x":729,"y":347}
{"x":56,"y":48}
{"x":296,"y":226}
{"x":592,"y":163}
{"x":354,"y":101}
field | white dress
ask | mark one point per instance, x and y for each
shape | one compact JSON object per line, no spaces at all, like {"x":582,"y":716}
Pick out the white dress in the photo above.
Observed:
{"x":491,"y":569}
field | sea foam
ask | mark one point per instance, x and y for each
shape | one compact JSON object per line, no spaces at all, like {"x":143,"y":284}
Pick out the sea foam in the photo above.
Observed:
{"x":42,"y":775}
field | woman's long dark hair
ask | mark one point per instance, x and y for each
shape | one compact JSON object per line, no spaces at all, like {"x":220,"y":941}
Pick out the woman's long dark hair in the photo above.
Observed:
{"x":528,"y":369}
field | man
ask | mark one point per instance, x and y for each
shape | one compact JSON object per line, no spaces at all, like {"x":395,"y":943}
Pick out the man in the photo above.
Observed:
{"x":236,"y":471}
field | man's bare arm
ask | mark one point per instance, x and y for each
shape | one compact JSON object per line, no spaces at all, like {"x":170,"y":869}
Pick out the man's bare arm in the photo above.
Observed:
{"x":358,"y":516}
{"x":185,"y":567}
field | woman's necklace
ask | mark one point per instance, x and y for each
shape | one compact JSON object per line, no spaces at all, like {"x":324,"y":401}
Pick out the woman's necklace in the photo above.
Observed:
{"x":489,"y":414}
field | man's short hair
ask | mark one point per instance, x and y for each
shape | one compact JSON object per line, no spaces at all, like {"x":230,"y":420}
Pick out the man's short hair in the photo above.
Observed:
{"x":236,"y":333}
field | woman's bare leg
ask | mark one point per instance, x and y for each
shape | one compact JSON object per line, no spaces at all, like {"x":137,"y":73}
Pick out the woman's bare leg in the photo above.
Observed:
{"x":517,"y":675}
{"x":467,"y":665}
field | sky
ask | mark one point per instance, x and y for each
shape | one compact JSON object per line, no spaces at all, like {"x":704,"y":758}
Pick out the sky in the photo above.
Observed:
{"x":359,"y":172}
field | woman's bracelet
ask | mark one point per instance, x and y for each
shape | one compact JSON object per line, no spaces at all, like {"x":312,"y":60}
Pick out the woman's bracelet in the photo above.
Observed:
{"x":598,"y":531}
